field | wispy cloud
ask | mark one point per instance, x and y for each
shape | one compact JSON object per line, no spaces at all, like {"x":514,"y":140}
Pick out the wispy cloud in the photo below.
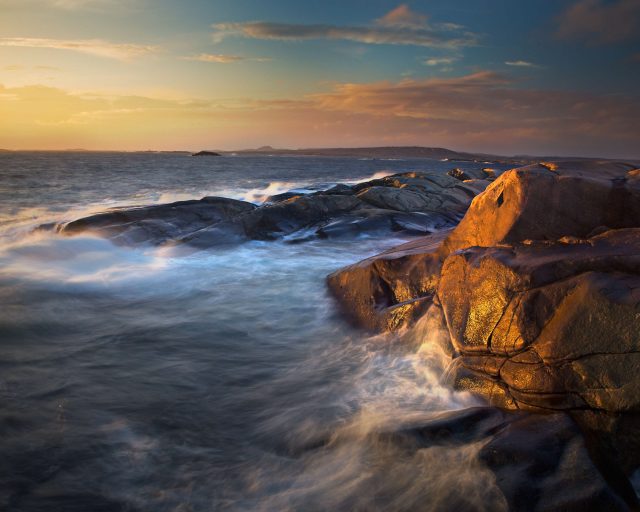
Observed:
{"x":221,"y":58}
{"x":521,"y":64}
{"x":485,"y":107}
{"x":483,"y":111}
{"x":600,"y":22}
{"x":403,"y":16}
{"x":98,"y":47}
{"x":20,"y":67}
{"x":69,"y":4}
{"x":440,"y":61}
{"x":401,"y":26}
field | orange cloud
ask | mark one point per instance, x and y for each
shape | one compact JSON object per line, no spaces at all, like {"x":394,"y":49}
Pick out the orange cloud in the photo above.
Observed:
{"x":403,"y":16}
{"x":401,"y":26}
{"x":484,"y":112}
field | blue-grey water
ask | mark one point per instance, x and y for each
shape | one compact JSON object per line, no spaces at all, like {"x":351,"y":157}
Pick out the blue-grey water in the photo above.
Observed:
{"x":221,"y":380}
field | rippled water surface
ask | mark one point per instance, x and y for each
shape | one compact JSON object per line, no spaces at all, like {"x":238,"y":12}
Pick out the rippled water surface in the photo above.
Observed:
{"x":221,"y":380}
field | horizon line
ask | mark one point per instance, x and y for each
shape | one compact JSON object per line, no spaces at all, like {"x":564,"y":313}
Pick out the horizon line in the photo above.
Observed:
{"x":266,"y":148}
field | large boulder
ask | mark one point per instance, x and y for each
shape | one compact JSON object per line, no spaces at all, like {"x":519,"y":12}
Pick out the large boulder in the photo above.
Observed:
{"x":547,"y":202}
{"x":558,"y":321}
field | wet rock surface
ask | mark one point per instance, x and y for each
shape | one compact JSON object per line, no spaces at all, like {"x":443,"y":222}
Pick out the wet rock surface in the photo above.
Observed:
{"x":538,"y":290}
{"x":411,"y":203}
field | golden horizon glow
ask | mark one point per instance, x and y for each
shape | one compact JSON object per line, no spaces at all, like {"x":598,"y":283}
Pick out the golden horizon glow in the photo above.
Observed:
{"x":115,"y":75}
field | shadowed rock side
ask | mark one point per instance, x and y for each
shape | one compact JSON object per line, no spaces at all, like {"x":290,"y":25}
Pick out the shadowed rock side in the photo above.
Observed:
{"x":539,"y":462}
{"x":538,"y":290}
{"x":413,"y":203}
{"x":388,"y":290}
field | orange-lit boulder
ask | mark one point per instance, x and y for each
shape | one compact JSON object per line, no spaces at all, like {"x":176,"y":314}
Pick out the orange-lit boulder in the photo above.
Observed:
{"x":539,"y":203}
{"x":555,"y":325}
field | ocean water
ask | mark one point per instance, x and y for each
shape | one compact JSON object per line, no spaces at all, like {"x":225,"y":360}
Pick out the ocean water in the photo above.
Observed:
{"x":221,"y":380}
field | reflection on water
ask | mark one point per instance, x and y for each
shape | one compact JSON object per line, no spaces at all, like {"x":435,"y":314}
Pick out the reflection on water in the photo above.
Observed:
{"x":221,"y":380}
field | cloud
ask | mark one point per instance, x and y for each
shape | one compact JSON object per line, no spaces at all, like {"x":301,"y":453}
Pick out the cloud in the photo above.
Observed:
{"x":521,"y":64}
{"x":220,"y":58}
{"x":483,"y":111}
{"x":403,"y":16}
{"x":119,"y":51}
{"x":440,"y":61}
{"x":600,"y":22}
{"x":20,"y":67}
{"x":401,"y":26}
{"x":486,"y":111}
{"x":69,"y":4}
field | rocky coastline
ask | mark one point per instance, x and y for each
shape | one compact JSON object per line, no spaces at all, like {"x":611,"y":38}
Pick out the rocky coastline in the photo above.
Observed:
{"x":535,"y":295}
{"x":529,"y":281}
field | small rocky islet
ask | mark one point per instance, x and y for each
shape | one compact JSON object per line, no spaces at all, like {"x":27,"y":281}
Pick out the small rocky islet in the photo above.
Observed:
{"x":529,"y":281}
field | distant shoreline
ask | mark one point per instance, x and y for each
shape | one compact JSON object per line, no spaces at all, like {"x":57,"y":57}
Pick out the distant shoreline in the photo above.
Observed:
{"x":377,"y":152}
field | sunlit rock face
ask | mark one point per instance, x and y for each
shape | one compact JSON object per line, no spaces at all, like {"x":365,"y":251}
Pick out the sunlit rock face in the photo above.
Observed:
{"x":557,"y":322}
{"x":537,"y":203}
{"x":410,"y":203}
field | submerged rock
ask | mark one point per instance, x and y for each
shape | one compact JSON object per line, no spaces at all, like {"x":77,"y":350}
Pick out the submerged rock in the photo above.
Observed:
{"x":411,"y":203}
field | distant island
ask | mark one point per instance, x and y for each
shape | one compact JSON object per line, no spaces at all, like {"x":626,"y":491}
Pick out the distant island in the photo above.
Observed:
{"x":396,"y":152}
{"x":373,"y":152}
{"x":206,"y":153}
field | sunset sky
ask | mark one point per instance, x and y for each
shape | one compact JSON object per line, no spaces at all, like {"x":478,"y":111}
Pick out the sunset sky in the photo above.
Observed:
{"x":554,"y":77}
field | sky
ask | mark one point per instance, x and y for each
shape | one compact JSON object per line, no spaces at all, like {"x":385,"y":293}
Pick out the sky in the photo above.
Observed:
{"x":544,"y":77}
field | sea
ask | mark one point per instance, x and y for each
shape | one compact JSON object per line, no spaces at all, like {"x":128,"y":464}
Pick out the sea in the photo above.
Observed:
{"x":225,"y":379}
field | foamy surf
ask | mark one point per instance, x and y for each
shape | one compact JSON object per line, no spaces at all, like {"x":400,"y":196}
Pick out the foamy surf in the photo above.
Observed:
{"x":219,"y":379}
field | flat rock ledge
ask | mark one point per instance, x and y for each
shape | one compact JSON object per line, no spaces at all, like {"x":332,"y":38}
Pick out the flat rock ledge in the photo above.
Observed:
{"x":409,"y":203}
{"x":536,"y":297}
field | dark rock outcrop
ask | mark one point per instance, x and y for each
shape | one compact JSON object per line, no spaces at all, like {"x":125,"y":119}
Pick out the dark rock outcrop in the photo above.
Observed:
{"x":410,"y":203}
{"x":160,"y":223}
{"x":458,"y":174}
